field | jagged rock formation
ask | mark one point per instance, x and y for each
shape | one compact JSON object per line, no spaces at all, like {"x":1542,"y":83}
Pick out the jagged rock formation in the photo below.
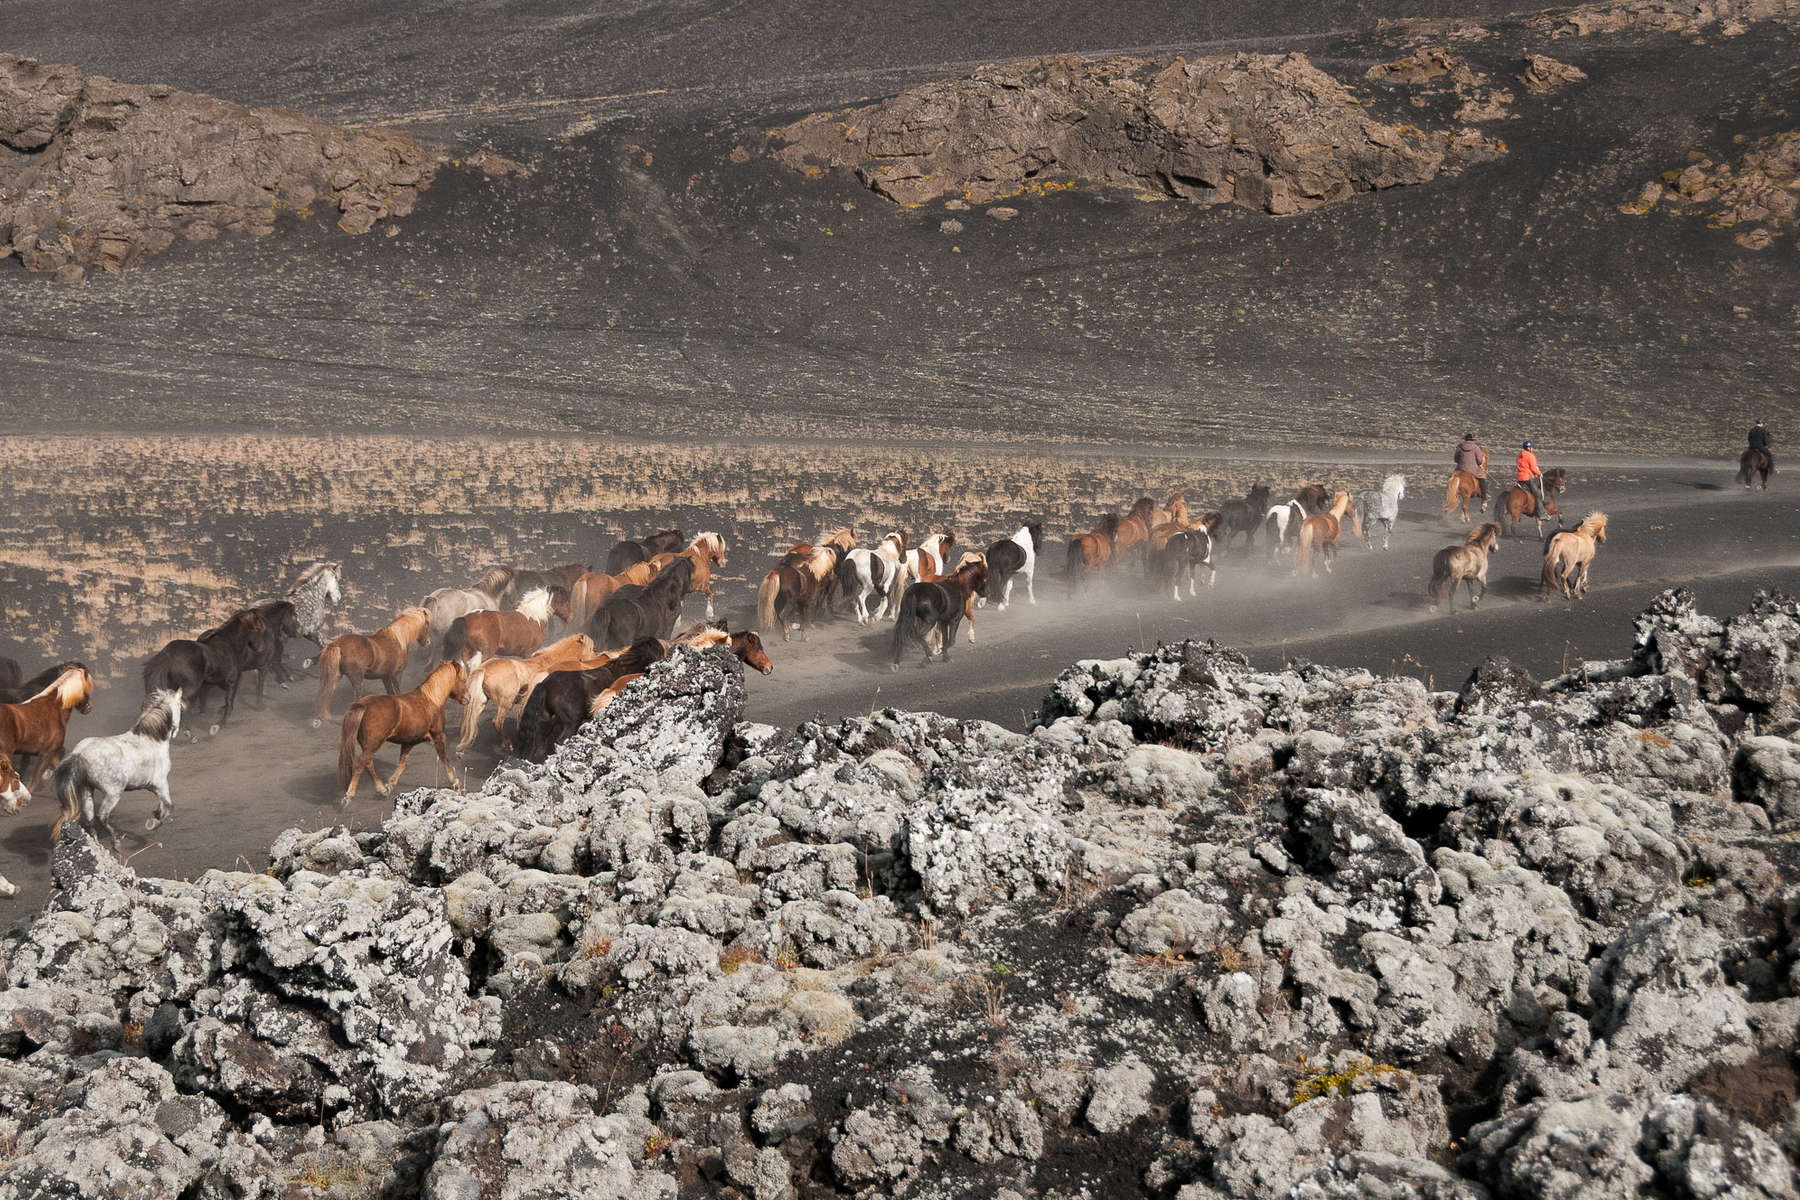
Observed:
{"x":1206,"y":931}
{"x":1268,"y":132}
{"x":96,"y":173}
{"x":1661,"y":16}
{"x":1544,"y":74}
{"x":1760,"y":190}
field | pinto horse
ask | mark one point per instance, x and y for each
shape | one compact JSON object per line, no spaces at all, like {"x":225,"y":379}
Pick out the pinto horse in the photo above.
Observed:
{"x":558,"y":706}
{"x":1567,"y":556}
{"x":930,"y":559}
{"x":1012,"y":557}
{"x":405,"y":720}
{"x":217,"y":658}
{"x":1517,"y":502}
{"x":635,"y":612}
{"x":1242,"y":516}
{"x":380,"y":655}
{"x":941,"y":605}
{"x":636,"y":550}
{"x":487,"y":632}
{"x":1468,"y":562}
{"x":505,"y":680}
{"x":38,"y":726}
{"x":1462,"y":488}
{"x":1754,"y":462}
{"x":866,"y":574}
{"x":798,"y":584}
{"x":1319,"y":535}
{"x":1090,"y":552}
{"x":1182,"y":555}
{"x":1282,"y":524}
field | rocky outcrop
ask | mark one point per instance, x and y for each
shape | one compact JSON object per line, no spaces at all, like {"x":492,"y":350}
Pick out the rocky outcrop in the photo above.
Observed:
{"x":96,"y":173}
{"x":1758,"y":194}
{"x":1268,"y":132}
{"x":1731,"y":17}
{"x":1543,"y":74}
{"x":1204,"y":931}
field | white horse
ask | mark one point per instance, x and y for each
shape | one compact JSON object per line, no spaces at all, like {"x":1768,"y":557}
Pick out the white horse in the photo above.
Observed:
{"x":100,"y":770}
{"x":1380,"y":508}
{"x":866,"y":573}
{"x":318,"y":586}
{"x":447,"y":604}
{"x":924,"y":561}
{"x":1282,"y":524}
{"x":1010,"y":559}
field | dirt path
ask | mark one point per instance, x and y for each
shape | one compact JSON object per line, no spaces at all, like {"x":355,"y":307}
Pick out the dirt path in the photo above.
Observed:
{"x":269,"y":769}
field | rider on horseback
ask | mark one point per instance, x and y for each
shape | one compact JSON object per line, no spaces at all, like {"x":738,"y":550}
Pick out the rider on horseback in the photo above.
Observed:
{"x":1472,"y":458}
{"x":1759,"y":440}
{"x":1531,"y":477}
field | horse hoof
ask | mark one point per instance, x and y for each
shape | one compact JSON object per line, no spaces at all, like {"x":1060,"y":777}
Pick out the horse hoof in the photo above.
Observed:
{"x":150,"y":824}
{"x":213,"y":731}
{"x":306,"y":664}
{"x":345,"y":800}
{"x":317,"y":722}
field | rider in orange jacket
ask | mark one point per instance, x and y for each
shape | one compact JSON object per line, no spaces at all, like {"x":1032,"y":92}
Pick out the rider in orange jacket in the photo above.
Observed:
{"x":1532,"y":476}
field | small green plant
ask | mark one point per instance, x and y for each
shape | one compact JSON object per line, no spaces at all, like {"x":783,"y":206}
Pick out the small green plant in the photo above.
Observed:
{"x":1698,"y":881}
{"x":1327,"y":1082}
{"x":657,"y":1143}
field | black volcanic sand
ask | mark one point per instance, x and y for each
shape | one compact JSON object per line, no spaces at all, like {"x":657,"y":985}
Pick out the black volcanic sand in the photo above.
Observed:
{"x":1670,"y":525}
{"x":641,"y":283}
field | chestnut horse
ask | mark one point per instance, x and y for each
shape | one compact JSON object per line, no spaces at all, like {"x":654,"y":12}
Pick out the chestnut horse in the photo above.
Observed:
{"x":1090,"y":552}
{"x":405,"y":720}
{"x":592,"y":589}
{"x":707,"y":551}
{"x":1469,"y":561}
{"x":940,"y":606}
{"x":1134,"y":529}
{"x":487,"y":632}
{"x":797,"y":584}
{"x":1567,"y":556}
{"x":506,"y":680}
{"x":745,"y":645}
{"x":1319,"y":535}
{"x":380,"y":655}
{"x":1462,"y":488}
{"x":1517,"y":502}
{"x":38,"y":725}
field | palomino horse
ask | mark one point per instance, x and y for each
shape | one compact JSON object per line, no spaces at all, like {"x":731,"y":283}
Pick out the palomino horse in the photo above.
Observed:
{"x":1379,"y":507}
{"x":1243,"y":516}
{"x":745,"y":645}
{"x":1016,"y":556}
{"x":592,"y":589}
{"x":558,"y":706}
{"x":379,"y":655}
{"x":707,"y":551}
{"x":866,"y":574}
{"x":447,"y":604}
{"x":1462,"y":488}
{"x":487,"y":632}
{"x":1567,"y":556}
{"x":1319,"y":535}
{"x":651,"y":610}
{"x":405,"y":720}
{"x":1517,"y":502}
{"x":1465,"y":562}
{"x":1182,"y":555}
{"x":941,"y":605}
{"x":1754,"y":462}
{"x":795,"y":586}
{"x":506,"y":680}
{"x":630,"y":551}
{"x":217,"y":658}
{"x":1091,"y":552}
{"x":100,"y":770}
{"x":37,"y":726}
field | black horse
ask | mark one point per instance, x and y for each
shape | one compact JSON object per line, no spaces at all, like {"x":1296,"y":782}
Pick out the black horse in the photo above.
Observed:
{"x":20,"y":691}
{"x":941,"y":605}
{"x":1755,"y":461}
{"x":283,"y":622}
{"x":635,"y":612}
{"x":632,"y":551}
{"x":217,"y":658}
{"x":1243,"y":516}
{"x":559,"y":705}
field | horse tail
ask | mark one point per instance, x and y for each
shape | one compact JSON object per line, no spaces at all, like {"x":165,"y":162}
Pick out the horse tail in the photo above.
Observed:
{"x":1357,"y":518}
{"x":534,"y":717}
{"x":349,"y":742}
{"x":71,"y":783}
{"x":1303,"y":552}
{"x":472,"y":707}
{"x":1452,"y":494}
{"x":330,"y":664}
{"x":1547,"y":582}
{"x":766,"y":595}
{"x":907,"y":613}
{"x":1077,"y":561}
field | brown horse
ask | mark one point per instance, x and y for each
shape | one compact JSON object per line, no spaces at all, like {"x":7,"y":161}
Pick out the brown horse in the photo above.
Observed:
{"x":506,"y":680}
{"x":591,"y":589}
{"x":745,"y":645}
{"x":404,"y":720}
{"x":1518,"y":502}
{"x":1754,"y":462}
{"x":38,"y":725}
{"x":1462,"y":488}
{"x":1134,"y":529}
{"x":1319,"y":535}
{"x":1468,"y":561}
{"x":1315,"y":498}
{"x":707,"y":551}
{"x":379,"y":655}
{"x":1567,"y":556}
{"x":798,"y":583}
{"x":1091,"y":552}
{"x":489,"y":632}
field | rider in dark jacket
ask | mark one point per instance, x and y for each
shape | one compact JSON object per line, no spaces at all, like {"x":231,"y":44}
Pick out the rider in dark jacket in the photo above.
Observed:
{"x":1472,"y":458}
{"x":1759,"y":440}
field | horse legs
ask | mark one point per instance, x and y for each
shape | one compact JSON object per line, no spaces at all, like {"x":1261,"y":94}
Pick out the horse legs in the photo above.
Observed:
{"x":948,"y":629}
{"x":102,"y":816}
{"x":437,"y":743}
{"x":231,"y":692}
{"x":165,"y":806}
{"x":385,"y":791}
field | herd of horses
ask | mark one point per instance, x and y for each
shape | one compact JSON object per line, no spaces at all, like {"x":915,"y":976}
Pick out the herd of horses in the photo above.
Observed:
{"x":493,"y":645}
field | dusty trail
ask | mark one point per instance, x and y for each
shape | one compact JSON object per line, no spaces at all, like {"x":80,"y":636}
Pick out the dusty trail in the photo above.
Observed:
{"x":268,"y":770}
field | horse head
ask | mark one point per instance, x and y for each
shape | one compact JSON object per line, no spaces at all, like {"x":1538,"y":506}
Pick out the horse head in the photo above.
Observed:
{"x":1556,"y":479}
{"x":749,"y":649}
{"x":14,"y":795}
{"x":1258,"y":498}
{"x":1035,"y":530}
{"x":1109,"y":525}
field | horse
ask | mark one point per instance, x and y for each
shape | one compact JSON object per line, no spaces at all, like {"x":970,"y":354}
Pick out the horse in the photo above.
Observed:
{"x":319,"y":585}
{"x":11,"y":674}
{"x":504,"y":680}
{"x":405,"y":720}
{"x":591,"y":589}
{"x":446,"y":604}
{"x":558,"y":706}
{"x":1182,"y":554}
{"x":930,"y":559}
{"x":706,"y":551}
{"x":380,"y":655}
{"x":99,"y":771}
{"x":38,"y":726}
{"x":1319,"y":535}
{"x":1016,"y":556}
{"x":37,"y":683}
{"x":1379,"y":507}
{"x":1517,"y":502}
{"x":1466,"y":561}
{"x":1134,"y":528}
{"x":217,"y":658}
{"x":1567,"y":555}
{"x":939,"y":605}
{"x":1462,"y":488}
{"x":1243,"y":516}
{"x":283,"y":622}
{"x":745,"y":645}
{"x":1090,"y":552}
{"x":651,"y":610}
{"x":798,"y":583}
{"x":1752,"y":462}
{"x":630,"y":550}
{"x":1172,"y":509}
{"x":487,"y":632}
{"x":1282,"y":524}
{"x":866,"y":573}
{"x":1315,"y":498}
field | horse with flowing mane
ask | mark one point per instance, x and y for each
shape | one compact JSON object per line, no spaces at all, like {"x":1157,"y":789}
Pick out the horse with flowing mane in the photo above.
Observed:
{"x":1466,"y":561}
{"x":797,"y":585}
{"x":1517,"y":503}
{"x":1319,"y":535}
{"x":744,"y":644}
{"x":706,"y":551}
{"x":487,"y":632}
{"x":1089,"y":553}
{"x":1379,"y":506}
{"x":448,"y":603}
{"x":405,"y":720}
{"x":217,"y":658}
{"x":38,"y":726}
{"x":19,"y":692}
{"x":558,"y":706}
{"x":1243,"y":516}
{"x":1462,"y":488}
{"x":318,"y":586}
{"x":1567,"y":555}
{"x":1754,"y":461}
{"x":505,"y":680}
{"x":99,"y":771}
{"x":380,"y":655}
{"x":939,"y":605}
